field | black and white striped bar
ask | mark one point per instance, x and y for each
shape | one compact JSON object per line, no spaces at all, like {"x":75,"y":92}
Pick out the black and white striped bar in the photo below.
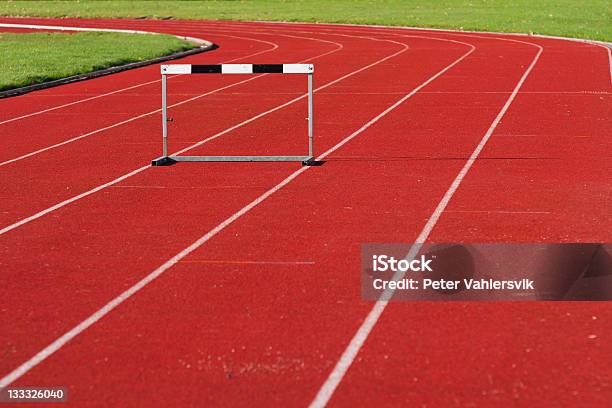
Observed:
{"x":238,"y":69}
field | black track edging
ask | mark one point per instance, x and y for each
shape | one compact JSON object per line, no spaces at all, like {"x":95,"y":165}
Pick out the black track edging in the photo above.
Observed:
{"x":107,"y":71}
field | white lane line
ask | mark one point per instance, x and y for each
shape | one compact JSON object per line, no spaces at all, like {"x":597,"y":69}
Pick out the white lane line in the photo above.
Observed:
{"x":274,"y":46}
{"x":66,"y":202}
{"x":68,"y":141}
{"x":497,"y":212}
{"x":348,"y":356}
{"x":75,"y":331}
{"x":238,"y":262}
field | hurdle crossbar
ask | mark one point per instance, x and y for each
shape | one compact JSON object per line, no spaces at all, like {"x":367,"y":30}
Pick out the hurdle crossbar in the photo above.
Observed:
{"x":307,"y":69}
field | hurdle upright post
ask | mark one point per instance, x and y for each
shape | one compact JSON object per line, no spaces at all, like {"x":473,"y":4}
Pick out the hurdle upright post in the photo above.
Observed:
{"x":164,"y":117}
{"x":310,"y":117}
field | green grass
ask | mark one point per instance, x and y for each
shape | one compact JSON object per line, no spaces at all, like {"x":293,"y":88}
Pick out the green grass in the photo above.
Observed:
{"x":575,"y":18}
{"x":34,"y":58}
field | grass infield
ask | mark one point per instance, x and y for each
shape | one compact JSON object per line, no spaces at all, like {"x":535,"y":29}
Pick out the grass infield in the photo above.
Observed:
{"x":39,"y":57}
{"x":584,"y":19}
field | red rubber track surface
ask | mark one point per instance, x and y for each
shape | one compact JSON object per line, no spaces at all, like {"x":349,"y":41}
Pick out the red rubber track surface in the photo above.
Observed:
{"x":259,"y":314}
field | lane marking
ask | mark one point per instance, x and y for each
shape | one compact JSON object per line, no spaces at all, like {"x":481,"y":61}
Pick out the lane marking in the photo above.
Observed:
{"x":237,"y":262}
{"x":443,"y":93}
{"x":100,"y":313}
{"x":497,"y":212}
{"x":348,"y":356}
{"x":180,"y":187}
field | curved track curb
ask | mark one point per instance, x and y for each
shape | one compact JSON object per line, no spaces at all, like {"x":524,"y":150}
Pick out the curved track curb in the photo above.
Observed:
{"x":203,"y":46}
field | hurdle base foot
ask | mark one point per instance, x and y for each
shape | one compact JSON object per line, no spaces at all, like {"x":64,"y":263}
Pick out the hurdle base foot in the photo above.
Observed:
{"x":163,"y":161}
{"x":311,"y":162}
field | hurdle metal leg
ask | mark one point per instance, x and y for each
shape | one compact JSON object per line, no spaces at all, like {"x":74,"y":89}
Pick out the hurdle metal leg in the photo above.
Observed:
{"x":164,"y":159}
{"x":164,"y":117}
{"x":310,"y":117}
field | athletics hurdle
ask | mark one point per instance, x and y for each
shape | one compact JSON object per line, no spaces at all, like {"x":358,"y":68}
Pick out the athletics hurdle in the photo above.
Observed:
{"x":234,"y":69}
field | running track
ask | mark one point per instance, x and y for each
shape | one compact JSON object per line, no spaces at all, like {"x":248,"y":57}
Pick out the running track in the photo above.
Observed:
{"x":238,"y":284}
